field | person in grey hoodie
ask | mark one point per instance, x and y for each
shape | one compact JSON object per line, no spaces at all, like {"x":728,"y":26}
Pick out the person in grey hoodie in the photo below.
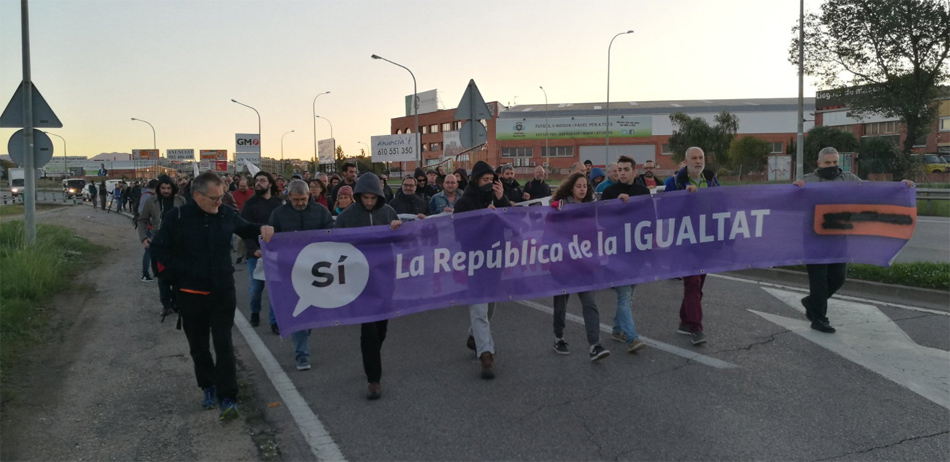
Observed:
{"x":370,"y":209}
{"x":825,"y":279}
{"x":300,"y":213}
{"x":151,"y":213}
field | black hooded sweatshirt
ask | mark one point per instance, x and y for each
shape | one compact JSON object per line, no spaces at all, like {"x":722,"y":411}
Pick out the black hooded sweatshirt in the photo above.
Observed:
{"x":474,"y":198}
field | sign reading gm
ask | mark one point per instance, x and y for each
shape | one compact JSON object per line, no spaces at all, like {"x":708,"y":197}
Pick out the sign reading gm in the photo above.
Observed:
{"x":247,"y":143}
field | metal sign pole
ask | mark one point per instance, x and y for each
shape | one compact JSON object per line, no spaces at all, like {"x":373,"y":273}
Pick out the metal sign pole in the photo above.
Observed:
{"x":29,"y":169}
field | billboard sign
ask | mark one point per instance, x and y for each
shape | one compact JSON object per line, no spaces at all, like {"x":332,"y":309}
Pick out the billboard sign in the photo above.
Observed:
{"x":220,"y":165}
{"x":576,"y":128}
{"x":325,"y":150}
{"x":247,"y":142}
{"x":451,"y":144}
{"x":145,"y":154}
{"x":240,"y":157}
{"x":780,"y":168}
{"x":393,"y":148}
{"x":180,"y":154}
{"x":428,"y":102}
{"x":213,"y":154}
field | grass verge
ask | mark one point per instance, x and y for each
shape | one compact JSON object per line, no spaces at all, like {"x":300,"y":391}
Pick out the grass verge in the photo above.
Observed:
{"x":17,"y":209}
{"x":30,"y":275}
{"x":926,"y":275}
{"x":937,"y":208}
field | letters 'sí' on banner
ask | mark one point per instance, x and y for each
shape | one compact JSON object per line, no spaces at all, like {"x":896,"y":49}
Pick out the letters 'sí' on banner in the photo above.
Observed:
{"x":355,"y":275}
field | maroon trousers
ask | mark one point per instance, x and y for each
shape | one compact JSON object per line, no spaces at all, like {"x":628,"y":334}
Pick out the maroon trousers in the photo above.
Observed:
{"x":691,"y":310}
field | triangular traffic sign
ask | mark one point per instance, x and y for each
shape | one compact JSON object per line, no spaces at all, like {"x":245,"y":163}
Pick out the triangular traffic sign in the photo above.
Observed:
{"x":43,"y":116}
{"x":472,"y":106}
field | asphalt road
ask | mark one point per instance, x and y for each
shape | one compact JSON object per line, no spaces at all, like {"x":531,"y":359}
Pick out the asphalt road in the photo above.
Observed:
{"x":120,"y":386}
{"x":759,"y":390}
{"x":930,"y":242}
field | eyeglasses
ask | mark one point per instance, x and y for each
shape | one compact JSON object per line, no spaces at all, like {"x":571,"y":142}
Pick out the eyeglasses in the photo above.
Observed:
{"x":213,"y":199}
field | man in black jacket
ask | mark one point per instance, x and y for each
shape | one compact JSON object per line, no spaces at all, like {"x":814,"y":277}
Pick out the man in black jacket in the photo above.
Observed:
{"x":408,"y":201}
{"x":423,"y":188}
{"x":349,"y":179}
{"x":484,"y":191}
{"x":536,"y":188}
{"x":257,"y":209}
{"x":648,"y":178}
{"x":300,"y":214}
{"x":624,"y":329}
{"x":512,"y":188}
{"x":193,"y":249}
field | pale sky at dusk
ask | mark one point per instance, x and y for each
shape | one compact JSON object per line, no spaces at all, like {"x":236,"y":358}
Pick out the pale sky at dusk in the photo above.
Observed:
{"x":178,"y":64}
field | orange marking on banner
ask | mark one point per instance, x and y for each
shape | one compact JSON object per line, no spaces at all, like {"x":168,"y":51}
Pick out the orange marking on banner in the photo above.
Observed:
{"x":197,"y":292}
{"x":865,"y":219}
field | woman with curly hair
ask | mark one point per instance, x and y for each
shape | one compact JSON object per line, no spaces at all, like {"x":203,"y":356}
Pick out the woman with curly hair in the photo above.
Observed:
{"x":575,"y":190}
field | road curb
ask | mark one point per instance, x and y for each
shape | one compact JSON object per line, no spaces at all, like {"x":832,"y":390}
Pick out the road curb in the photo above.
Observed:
{"x":856,"y":287}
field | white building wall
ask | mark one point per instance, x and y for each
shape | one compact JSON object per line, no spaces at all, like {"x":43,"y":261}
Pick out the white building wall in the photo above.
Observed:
{"x":749,"y":122}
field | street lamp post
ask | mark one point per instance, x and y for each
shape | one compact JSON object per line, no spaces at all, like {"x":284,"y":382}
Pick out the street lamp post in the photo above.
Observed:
{"x":154,"y":146}
{"x":546,"y":151}
{"x":282,"y":151}
{"x":800,"y":137}
{"x":328,"y":121}
{"x":607,"y":128}
{"x":415,"y":111}
{"x":65,"y":167}
{"x":259,"y":136}
{"x":315,"y":123}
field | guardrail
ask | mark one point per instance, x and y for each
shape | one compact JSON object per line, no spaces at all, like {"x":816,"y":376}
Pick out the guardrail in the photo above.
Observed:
{"x":928,"y":195}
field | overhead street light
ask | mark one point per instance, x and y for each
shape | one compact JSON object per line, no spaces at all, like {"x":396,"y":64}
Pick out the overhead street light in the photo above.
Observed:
{"x":260,"y":137}
{"x":328,"y":121}
{"x":282,"y":151}
{"x":154,"y":146}
{"x":65,"y":167}
{"x":607,"y":129}
{"x":546,"y":152}
{"x":315,"y":122}
{"x":415,"y":105}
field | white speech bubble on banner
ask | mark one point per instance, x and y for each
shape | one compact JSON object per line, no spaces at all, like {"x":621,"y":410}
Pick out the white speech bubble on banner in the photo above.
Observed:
{"x":328,"y":275}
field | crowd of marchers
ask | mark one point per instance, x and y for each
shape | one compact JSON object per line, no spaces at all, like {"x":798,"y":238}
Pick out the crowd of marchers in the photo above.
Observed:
{"x":189,"y":230}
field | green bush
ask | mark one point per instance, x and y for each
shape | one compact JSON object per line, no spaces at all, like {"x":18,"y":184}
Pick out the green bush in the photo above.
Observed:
{"x":926,"y":275}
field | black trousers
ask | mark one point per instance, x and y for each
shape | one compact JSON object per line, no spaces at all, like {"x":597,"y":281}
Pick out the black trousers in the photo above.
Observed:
{"x":372,"y":335}
{"x":211,"y":317}
{"x":823,"y":282}
{"x":165,"y":293}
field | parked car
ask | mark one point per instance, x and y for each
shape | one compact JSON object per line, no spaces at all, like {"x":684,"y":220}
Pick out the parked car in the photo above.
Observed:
{"x":86,"y":197}
{"x":933,"y":163}
{"x":945,"y":157}
{"x":73,"y":187}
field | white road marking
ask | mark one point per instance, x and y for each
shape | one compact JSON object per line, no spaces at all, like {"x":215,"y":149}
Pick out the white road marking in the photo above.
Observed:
{"x":321,"y":444}
{"x":837,"y":296}
{"x":691,"y":355}
{"x":868,"y":337}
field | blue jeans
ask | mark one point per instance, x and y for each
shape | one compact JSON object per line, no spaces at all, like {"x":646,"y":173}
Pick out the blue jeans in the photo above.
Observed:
{"x":623,"y":319}
{"x":301,"y":345}
{"x":146,"y":256}
{"x":255,"y":289}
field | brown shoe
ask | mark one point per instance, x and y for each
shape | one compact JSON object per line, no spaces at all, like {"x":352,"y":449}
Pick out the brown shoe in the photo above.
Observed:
{"x":375,"y":391}
{"x":487,"y":372}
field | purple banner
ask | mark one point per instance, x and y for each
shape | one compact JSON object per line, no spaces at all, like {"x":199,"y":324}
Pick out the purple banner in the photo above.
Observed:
{"x":346,"y":276}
